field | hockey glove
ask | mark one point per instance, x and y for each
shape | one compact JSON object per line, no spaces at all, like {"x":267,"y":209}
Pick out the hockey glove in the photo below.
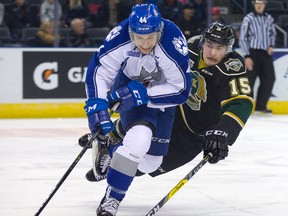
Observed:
{"x":97,"y":111}
{"x":134,"y":94}
{"x":216,"y":143}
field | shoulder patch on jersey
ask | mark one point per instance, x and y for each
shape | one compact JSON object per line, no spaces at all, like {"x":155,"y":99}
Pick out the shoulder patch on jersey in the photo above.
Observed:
{"x":233,"y":64}
{"x":113,"y":33}
{"x":180,"y":45}
{"x":192,"y":39}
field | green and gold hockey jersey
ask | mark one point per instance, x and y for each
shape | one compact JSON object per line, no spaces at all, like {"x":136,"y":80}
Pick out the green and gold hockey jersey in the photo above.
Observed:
{"x":220,"y":98}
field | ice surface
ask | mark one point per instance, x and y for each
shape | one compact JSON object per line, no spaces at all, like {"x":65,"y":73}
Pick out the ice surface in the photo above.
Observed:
{"x":35,"y":154}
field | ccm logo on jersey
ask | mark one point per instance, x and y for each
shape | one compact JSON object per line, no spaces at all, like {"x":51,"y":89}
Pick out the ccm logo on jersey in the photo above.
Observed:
{"x":155,"y":139}
{"x":217,"y":132}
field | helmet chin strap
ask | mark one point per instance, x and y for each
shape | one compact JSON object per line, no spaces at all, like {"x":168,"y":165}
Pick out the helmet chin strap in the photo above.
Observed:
{"x":130,"y":33}
{"x":159,"y":33}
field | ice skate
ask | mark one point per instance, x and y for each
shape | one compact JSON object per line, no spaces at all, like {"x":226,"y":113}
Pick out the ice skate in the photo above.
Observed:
{"x":108,"y":205}
{"x":90,"y":176}
{"x":101,"y":157}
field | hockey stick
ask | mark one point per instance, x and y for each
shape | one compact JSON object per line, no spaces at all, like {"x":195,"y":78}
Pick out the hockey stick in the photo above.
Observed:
{"x":180,"y":184}
{"x":74,"y":163}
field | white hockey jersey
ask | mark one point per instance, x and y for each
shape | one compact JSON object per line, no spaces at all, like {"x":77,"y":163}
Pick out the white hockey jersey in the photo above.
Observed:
{"x":165,"y":71}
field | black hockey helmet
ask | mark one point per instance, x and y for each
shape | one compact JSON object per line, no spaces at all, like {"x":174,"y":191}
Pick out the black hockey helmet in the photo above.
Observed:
{"x":220,"y":33}
{"x":259,"y":1}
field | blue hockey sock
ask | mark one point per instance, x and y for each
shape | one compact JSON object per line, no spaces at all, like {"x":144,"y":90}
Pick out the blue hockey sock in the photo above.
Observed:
{"x":119,"y":183}
{"x":113,"y":148}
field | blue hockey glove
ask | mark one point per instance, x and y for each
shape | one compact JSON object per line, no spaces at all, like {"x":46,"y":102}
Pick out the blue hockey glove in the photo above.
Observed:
{"x":97,"y":111}
{"x":134,"y":94}
{"x":216,"y":143}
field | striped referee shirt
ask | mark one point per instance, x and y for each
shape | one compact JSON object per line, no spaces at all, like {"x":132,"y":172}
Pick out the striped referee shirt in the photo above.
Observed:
{"x":257,"y":32}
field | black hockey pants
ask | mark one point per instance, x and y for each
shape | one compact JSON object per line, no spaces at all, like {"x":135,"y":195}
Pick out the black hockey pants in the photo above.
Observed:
{"x":264,"y":69}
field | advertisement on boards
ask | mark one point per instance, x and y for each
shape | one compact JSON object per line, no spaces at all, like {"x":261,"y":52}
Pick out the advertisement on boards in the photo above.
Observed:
{"x":280,"y":89}
{"x":53,"y":74}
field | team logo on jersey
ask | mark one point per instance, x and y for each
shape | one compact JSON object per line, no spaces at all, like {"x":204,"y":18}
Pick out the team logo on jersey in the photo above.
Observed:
{"x":198,"y":91}
{"x":233,"y":64}
{"x":147,"y":77}
{"x":113,"y":33}
{"x":180,"y":45}
{"x":192,"y":39}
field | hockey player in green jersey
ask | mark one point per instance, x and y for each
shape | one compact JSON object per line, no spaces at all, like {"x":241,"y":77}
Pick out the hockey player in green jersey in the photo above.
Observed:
{"x":218,"y":107}
{"x":219,"y":104}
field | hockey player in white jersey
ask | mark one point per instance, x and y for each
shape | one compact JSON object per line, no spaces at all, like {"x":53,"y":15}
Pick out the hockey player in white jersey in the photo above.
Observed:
{"x":144,"y":64}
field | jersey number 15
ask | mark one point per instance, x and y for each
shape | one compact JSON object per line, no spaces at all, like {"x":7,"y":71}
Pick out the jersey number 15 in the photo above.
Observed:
{"x":240,"y":86}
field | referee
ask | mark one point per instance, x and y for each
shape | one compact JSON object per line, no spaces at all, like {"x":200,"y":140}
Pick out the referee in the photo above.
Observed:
{"x":257,"y":38}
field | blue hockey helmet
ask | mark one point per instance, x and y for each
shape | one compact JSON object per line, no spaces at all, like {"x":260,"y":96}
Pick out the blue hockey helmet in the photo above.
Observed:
{"x":145,"y":19}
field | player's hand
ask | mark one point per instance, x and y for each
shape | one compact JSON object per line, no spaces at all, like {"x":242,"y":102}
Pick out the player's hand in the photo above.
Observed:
{"x":249,"y":64}
{"x":134,"y":94}
{"x":216,"y":143}
{"x":97,"y":111}
{"x":270,"y":51}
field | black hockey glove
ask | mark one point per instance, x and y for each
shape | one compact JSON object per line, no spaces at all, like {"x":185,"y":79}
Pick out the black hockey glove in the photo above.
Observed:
{"x":216,"y":143}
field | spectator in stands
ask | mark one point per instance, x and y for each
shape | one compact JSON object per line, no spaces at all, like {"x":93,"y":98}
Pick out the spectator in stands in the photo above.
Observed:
{"x":183,"y":2}
{"x":34,"y":13}
{"x":112,"y":12}
{"x":152,"y":1}
{"x":108,"y":14}
{"x":237,"y":36}
{"x":124,"y":7}
{"x":170,"y":9}
{"x":78,"y":36}
{"x":2,"y":12}
{"x":44,"y":36}
{"x":187,"y":23}
{"x":16,"y":18}
{"x":216,"y":15}
{"x":201,"y":11}
{"x":47,"y":11}
{"x":257,"y":39}
{"x":76,"y":9}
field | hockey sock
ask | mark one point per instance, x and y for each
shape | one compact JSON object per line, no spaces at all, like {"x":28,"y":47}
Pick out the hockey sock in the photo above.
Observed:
{"x":119,"y":183}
